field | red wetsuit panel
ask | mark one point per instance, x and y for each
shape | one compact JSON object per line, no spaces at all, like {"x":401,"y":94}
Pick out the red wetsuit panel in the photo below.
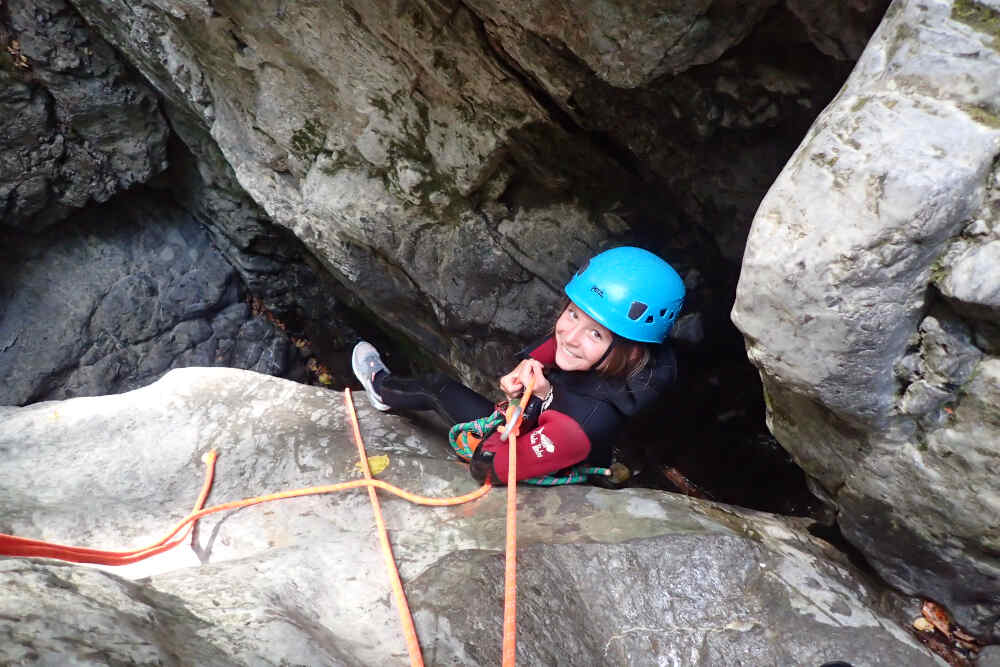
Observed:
{"x":556,"y":443}
{"x":546,"y":352}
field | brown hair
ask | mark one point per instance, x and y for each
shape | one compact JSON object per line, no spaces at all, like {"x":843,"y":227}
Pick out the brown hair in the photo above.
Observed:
{"x":626,"y":358}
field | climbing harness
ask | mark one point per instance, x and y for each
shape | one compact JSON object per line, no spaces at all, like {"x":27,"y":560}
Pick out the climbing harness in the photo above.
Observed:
{"x":465,"y":437}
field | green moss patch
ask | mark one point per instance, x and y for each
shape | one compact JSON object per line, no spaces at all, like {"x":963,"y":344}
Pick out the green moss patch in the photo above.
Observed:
{"x":308,"y":141}
{"x":982,"y":115}
{"x":979,"y":17}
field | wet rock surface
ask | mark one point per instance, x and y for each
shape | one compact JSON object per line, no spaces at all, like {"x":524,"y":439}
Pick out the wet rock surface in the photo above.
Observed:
{"x":301,"y":580}
{"x":116,"y":296}
{"x":868,"y":302}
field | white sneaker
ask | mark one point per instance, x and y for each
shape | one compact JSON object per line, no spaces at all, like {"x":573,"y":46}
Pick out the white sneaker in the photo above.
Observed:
{"x":365,"y":362}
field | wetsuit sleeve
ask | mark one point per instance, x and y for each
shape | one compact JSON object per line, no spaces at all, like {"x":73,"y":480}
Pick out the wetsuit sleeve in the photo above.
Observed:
{"x":556,"y":443}
{"x":543,"y":351}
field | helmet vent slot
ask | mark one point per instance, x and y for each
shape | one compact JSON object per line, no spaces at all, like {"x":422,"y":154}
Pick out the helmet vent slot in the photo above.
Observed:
{"x":636,"y":310}
{"x":663,"y":312}
{"x":649,"y":320}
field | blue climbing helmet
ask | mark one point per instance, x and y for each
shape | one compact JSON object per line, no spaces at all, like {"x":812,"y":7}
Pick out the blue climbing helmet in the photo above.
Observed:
{"x":631,"y":291}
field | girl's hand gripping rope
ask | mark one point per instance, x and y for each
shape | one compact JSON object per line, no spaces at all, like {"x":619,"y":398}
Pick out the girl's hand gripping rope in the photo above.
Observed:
{"x":526,"y":379}
{"x":515,"y":410}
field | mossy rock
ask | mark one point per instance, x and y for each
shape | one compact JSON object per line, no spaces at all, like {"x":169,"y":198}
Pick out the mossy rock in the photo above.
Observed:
{"x":979,"y":17}
{"x":309,"y":141}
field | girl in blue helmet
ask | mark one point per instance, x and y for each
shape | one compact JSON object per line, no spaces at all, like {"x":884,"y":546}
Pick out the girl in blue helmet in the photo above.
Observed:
{"x":605,"y":359}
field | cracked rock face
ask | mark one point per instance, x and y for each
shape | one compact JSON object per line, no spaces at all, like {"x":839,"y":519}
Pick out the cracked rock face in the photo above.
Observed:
{"x":77,"y":125}
{"x":868,"y":298}
{"x":116,"y":296}
{"x":451,"y":164}
{"x":631,"y":577}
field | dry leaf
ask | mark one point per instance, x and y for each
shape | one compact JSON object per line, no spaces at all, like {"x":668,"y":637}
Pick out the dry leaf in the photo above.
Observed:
{"x":937,"y":615}
{"x":963,"y":635}
{"x":375,"y":463}
{"x":922,"y":624}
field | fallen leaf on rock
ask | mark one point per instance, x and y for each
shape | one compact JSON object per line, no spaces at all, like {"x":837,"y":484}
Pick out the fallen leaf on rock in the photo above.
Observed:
{"x":963,"y":635}
{"x":376,"y":463}
{"x":937,"y":615}
{"x":968,"y":646}
{"x":922,"y":624}
{"x":683,"y":484}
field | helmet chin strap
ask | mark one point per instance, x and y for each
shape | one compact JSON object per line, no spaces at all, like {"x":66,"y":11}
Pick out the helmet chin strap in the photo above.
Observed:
{"x":614,"y":341}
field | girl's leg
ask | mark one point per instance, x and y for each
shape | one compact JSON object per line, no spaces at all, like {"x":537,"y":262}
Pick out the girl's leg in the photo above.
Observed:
{"x":452,"y":400}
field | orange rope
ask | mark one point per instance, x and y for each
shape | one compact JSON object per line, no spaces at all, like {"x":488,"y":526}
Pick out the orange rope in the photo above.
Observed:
{"x":410,"y":632}
{"x":510,"y":556}
{"x":12,"y":545}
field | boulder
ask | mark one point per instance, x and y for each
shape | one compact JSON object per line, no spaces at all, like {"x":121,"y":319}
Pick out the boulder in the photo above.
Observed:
{"x":77,"y":124}
{"x":868,"y":300}
{"x":605,"y":577}
{"x":117,"y":295}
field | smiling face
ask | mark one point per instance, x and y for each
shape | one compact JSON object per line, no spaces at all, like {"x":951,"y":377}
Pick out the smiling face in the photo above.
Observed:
{"x":580,"y":341}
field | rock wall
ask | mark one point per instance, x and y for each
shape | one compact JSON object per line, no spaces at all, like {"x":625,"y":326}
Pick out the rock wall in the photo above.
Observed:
{"x":869,"y":302}
{"x":450,"y":164}
{"x":116,"y":296}
{"x":280,"y":273}
{"x":77,"y":125}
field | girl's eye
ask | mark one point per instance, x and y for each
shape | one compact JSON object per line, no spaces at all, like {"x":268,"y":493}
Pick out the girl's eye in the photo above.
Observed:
{"x":596,"y":334}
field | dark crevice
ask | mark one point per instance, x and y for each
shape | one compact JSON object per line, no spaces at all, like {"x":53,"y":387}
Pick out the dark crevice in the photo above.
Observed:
{"x":833,"y":536}
{"x":711,"y":431}
{"x":605,"y":144}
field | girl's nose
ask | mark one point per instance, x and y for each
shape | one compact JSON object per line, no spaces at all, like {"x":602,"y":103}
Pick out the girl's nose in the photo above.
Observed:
{"x":572,"y":335}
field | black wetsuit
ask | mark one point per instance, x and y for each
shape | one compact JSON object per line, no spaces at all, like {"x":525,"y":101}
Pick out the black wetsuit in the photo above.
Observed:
{"x":580,"y":424}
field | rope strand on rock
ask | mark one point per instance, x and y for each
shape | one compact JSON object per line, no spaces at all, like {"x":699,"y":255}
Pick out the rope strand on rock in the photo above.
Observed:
{"x":409,"y":631}
{"x":12,"y":545}
{"x":514,"y":416}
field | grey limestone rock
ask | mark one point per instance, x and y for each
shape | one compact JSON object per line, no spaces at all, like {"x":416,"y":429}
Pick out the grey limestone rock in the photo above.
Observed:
{"x":451,"y":164}
{"x":116,"y":296}
{"x":77,"y":125}
{"x":632,"y":577}
{"x":63,"y":615}
{"x":866,"y":300}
